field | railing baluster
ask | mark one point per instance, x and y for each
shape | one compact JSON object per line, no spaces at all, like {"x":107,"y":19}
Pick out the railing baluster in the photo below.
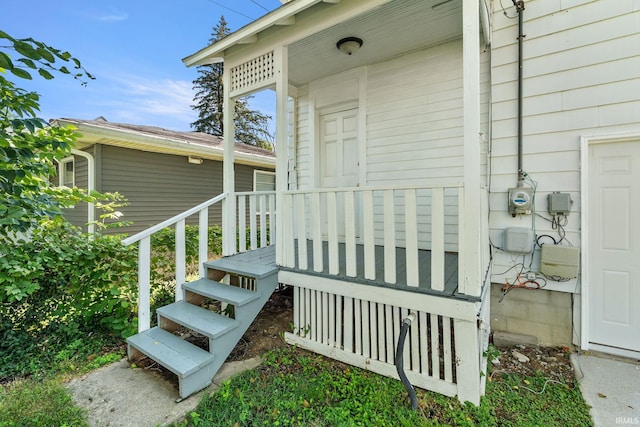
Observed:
{"x":242,"y":223}
{"x":332,"y":231}
{"x":289,"y":253}
{"x":181,"y":261}
{"x":462,"y":286}
{"x":437,"y":239}
{"x":350,"y":234}
{"x":272,"y":219}
{"x":263,"y":221}
{"x":411,"y":228}
{"x":144,"y":281}
{"x":369,"y":236}
{"x":389,"y":238}
{"x":252,"y":223}
{"x":300,"y":219}
{"x":317,"y":233}
{"x":203,"y":240}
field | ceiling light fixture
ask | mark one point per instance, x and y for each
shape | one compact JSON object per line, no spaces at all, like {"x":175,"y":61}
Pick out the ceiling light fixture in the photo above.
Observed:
{"x":194,"y":160}
{"x":349,"y":45}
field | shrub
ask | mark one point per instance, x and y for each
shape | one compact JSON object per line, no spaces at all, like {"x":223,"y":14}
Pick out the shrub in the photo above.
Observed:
{"x":61,"y":286}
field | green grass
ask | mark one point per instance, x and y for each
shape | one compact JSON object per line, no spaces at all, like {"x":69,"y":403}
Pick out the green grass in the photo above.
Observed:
{"x":38,"y":404}
{"x":40,"y":400}
{"x":296,"y":388}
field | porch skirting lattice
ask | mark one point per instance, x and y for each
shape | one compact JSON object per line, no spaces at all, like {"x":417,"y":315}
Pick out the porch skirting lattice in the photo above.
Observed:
{"x":359,"y":325}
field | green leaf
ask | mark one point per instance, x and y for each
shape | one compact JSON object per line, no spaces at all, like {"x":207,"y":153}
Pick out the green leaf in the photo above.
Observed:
{"x":27,"y":50}
{"x":4,"y":35}
{"x":44,"y":73}
{"x":46,"y":54}
{"x":5,"y":61}
{"x":21,"y":73}
{"x":29,"y":63}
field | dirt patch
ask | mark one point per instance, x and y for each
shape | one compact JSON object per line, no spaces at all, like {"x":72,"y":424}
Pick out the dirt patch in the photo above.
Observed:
{"x":551,"y":362}
{"x":266,"y":331}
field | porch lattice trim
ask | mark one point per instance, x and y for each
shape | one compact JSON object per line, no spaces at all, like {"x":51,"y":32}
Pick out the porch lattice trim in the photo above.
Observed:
{"x":254,"y":73}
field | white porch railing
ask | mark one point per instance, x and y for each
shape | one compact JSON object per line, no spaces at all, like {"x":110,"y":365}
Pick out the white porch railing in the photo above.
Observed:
{"x":260,"y":206}
{"x":412,"y":218}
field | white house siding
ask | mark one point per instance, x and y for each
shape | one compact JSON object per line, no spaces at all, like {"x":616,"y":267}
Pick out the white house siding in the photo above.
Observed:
{"x":413,"y":132}
{"x":581,"y":77}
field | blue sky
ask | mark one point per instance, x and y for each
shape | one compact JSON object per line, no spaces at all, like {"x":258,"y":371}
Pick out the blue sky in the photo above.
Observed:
{"x":134,"y":48}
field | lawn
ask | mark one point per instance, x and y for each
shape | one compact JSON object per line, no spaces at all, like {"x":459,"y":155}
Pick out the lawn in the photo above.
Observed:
{"x":297,"y":388}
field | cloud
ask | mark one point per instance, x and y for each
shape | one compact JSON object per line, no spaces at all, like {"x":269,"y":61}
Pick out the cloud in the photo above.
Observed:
{"x":148,"y":101}
{"x":113,"y":17}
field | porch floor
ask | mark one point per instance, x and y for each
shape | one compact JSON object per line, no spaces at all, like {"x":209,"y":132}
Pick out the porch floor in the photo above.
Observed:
{"x":424,"y":263}
{"x":266,"y":256}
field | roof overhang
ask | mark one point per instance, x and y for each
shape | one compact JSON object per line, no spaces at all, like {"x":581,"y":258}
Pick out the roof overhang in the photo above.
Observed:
{"x":284,"y":14}
{"x":138,"y":140}
{"x":311,"y":28}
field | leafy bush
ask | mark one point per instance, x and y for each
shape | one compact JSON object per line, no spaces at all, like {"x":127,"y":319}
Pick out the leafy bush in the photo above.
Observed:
{"x":61,"y":286}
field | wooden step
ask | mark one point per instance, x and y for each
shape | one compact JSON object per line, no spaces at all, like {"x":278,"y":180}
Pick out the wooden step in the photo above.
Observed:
{"x":259,"y":263}
{"x":179,"y":356}
{"x":205,"y":322}
{"x":221,"y":292}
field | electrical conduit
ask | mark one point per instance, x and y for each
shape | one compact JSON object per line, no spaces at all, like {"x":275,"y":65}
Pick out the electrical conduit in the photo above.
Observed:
{"x":406,"y":323}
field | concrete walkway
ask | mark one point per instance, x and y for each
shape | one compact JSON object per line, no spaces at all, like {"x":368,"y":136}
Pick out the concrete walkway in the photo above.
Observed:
{"x":120,"y":396}
{"x":611,"y":386}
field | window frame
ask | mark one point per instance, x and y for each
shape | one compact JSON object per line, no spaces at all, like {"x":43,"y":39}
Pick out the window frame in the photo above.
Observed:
{"x":63,"y":173}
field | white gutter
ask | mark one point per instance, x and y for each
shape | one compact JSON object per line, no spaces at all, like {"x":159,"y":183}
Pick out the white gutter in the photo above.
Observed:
{"x":91,"y":185}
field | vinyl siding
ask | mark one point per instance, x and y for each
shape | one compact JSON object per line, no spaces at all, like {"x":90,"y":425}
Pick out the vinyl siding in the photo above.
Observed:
{"x":581,"y":74}
{"x":159,"y":186}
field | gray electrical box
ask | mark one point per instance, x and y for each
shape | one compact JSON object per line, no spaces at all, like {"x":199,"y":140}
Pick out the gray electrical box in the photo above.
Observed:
{"x":520,"y":201}
{"x":559,"y":261}
{"x":518,"y":240}
{"x":559,"y":203}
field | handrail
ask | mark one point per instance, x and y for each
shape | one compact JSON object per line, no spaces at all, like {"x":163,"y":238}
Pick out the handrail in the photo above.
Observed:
{"x":173,"y":220}
{"x":143,"y":239}
{"x":443,"y":184}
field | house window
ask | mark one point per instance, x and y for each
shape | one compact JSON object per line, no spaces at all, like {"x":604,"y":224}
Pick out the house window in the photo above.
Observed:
{"x":66,"y":172}
{"x":264,"y":181}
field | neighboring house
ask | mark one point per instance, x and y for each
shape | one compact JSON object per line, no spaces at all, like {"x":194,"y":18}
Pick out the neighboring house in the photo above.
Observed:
{"x":160,"y":172}
{"x":418,"y":176}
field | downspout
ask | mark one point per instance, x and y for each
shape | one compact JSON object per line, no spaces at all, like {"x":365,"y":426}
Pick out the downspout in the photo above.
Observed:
{"x":91,"y":186}
{"x":519,"y":4}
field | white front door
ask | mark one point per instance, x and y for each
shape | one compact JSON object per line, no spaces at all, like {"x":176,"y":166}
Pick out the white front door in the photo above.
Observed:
{"x":339,"y":161}
{"x":339,"y":149}
{"x":614,"y":248}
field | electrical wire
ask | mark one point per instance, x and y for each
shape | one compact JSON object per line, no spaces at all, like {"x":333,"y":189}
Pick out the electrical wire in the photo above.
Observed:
{"x":504,"y":12}
{"x":255,"y":2}
{"x":543,"y":387}
{"x":231,"y":10}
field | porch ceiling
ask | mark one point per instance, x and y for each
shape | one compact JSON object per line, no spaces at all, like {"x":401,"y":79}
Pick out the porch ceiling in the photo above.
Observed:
{"x":396,"y":28}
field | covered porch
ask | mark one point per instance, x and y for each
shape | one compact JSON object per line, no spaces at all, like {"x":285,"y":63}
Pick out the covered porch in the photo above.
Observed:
{"x":381,"y":200}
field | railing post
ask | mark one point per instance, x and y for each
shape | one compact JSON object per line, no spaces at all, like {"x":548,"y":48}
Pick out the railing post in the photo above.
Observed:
{"x":144,"y":280}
